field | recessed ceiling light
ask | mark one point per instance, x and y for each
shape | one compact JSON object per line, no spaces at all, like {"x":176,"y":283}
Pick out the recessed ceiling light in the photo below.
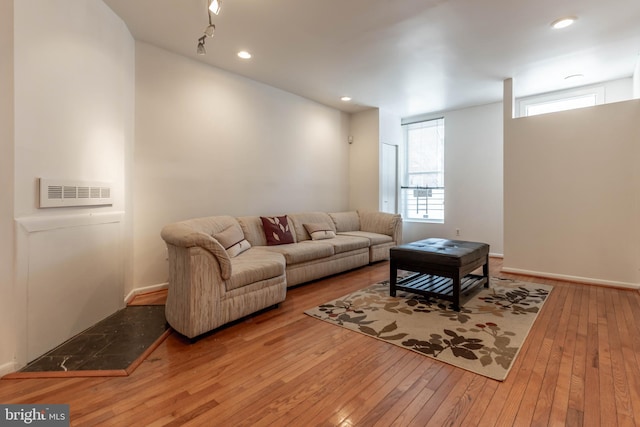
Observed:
{"x":574,"y":77}
{"x":563,"y":22}
{"x":244,"y":54}
{"x":345,"y":98}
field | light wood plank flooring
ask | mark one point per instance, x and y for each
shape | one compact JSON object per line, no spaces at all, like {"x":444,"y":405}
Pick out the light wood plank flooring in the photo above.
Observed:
{"x":580,"y":366}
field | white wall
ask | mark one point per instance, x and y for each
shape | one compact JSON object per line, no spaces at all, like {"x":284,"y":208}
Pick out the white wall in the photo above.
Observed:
{"x":618,"y":90}
{"x":571,"y":194}
{"x":74,"y":100}
{"x":364,"y":160}
{"x":636,"y":80}
{"x":209,"y":142}
{"x":391,"y":134}
{"x":390,"y":128}
{"x":7,"y":314}
{"x":473,"y":179}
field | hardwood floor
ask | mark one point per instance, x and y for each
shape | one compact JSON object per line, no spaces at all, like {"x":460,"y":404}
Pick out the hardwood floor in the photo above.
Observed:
{"x":580,"y":366}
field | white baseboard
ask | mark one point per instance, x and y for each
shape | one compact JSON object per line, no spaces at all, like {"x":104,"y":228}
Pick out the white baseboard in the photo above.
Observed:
{"x":492,"y":255}
{"x":145,"y":290}
{"x":8,"y":368}
{"x":564,"y":277}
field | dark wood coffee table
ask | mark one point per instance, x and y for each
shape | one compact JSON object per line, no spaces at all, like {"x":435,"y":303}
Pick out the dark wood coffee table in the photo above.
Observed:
{"x":442,"y":268}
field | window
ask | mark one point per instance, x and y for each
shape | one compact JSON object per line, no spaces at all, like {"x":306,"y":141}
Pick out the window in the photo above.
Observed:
{"x":561,"y":101}
{"x":422,"y":195}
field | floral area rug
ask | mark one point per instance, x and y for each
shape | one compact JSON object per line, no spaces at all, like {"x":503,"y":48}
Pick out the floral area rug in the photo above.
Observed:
{"x":484,"y":337}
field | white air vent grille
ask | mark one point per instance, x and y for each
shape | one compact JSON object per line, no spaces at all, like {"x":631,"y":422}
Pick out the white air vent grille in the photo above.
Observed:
{"x":83,"y":192}
{"x":55,"y":193}
{"x":70,"y":192}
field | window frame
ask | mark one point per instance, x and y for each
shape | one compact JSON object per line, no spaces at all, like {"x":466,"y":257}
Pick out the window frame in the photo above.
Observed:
{"x":525,"y":102}
{"x":404,"y":173}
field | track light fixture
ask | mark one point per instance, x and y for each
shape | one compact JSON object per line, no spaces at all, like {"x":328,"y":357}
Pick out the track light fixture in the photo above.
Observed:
{"x":201,"y":50}
{"x":210,"y":30}
{"x":214,"y":6}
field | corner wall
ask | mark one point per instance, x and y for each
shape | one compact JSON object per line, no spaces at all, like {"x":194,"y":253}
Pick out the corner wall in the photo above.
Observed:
{"x":7,"y":314}
{"x":364,"y":160}
{"x":571,"y":194}
{"x":74,"y":100}
{"x":636,"y":80}
{"x":209,"y":142}
{"x":390,"y":144}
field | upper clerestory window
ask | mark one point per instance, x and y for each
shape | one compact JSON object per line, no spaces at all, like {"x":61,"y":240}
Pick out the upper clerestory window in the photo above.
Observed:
{"x":561,"y":101}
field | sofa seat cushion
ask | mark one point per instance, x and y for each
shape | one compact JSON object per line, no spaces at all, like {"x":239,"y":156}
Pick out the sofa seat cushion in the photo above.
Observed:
{"x":304,"y":251}
{"x":253,"y":266}
{"x":344,"y":243}
{"x":374,"y":238}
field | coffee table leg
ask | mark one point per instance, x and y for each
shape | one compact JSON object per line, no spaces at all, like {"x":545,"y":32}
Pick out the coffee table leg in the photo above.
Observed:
{"x":456,"y":291}
{"x":393,"y":276}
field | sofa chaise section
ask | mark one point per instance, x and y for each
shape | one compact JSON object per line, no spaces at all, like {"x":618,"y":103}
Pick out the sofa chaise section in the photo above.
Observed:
{"x":207,"y":287}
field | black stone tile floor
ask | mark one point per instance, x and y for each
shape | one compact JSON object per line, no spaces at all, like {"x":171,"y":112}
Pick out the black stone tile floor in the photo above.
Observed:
{"x":112,"y":344}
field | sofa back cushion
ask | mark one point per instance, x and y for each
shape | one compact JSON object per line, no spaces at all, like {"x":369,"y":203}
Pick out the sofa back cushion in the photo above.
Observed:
{"x":252,"y":229}
{"x":211,"y":224}
{"x":346,"y":221}
{"x":300,"y":219}
{"x":380,"y":222}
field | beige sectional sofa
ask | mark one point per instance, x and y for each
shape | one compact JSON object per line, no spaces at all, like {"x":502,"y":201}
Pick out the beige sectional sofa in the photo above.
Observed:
{"x":213,"y":282}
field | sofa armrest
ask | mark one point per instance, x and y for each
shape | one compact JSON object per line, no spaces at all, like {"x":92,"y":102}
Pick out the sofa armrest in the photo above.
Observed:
{"x":382,"y":223}
{"x":180,"y":234}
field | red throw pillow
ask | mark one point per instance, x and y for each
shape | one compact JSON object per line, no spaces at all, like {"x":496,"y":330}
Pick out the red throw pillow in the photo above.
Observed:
{"x":276,"y":230}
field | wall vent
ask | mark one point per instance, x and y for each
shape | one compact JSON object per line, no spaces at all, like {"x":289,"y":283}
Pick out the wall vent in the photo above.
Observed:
{"x":57,"y":193}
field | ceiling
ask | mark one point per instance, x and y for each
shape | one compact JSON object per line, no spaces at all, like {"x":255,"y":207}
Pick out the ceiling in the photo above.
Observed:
{"x":408,"y":57}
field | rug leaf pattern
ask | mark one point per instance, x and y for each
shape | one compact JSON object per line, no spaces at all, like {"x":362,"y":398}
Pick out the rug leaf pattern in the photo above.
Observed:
{"x":485,"y":336}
